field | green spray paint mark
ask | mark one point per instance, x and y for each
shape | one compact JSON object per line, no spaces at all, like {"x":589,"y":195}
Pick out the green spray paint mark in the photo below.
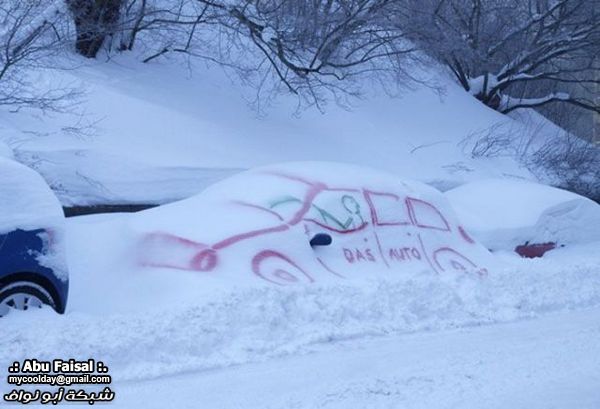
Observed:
{"x":348,"y":202}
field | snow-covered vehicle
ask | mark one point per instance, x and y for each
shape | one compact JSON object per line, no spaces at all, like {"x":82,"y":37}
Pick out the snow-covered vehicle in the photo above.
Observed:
{"x":33,"y":269}
{"x":525,"y":217}
{"x":360,"y":222}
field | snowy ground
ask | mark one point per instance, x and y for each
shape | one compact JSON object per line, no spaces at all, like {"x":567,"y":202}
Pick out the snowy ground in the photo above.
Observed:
{"x":155,"y":133}
{"x":550,"y":362}
{"x":523,"y":337}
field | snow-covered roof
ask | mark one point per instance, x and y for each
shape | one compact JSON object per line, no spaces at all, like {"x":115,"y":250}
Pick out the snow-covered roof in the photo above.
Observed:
{"x":504,"y":213}
{"x":249,"y":224}
{"x":26,"y":201}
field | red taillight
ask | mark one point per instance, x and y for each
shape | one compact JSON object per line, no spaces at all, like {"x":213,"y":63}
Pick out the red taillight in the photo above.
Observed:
{"x":534,"y":250}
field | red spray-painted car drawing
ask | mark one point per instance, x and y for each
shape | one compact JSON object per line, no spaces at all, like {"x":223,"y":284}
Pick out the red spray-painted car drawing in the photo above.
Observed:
{"x":366,"y":229}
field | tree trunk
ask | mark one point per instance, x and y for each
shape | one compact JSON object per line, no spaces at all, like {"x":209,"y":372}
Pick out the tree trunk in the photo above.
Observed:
{"x":94,"y":21}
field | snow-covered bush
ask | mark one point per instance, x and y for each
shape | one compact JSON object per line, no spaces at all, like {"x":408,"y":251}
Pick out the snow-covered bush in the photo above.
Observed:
{"x":513,"y":54}
{"x":32,"y":34}
{"x":561,"y":159}
{"x":312,"y":49}
{"x":312,"y":46}
{"x":572,"y":163}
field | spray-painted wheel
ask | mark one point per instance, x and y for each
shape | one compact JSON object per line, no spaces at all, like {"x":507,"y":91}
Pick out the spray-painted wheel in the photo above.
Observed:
{"x":206,"y":260}
{"x":447,"y":259}
{"x":279,"y":269}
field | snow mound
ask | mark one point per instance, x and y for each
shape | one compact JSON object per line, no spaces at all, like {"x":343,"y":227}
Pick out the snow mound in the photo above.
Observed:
{"x":109,"y":178}
{"x":196,"y":127}
{"x":26,"y":201}
{"x":5,"y":151}
{"x":503,"y":214}
{"x":214,"y":330}
{"x":151,"y":322}
{"x":258,"y":224}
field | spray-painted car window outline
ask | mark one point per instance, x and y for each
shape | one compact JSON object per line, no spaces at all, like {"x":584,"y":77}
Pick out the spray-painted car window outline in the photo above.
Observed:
{"x":353,"y":221}
{"x":399,"y":218}
{"x":413,"y":213}
{"x":421,"y":210}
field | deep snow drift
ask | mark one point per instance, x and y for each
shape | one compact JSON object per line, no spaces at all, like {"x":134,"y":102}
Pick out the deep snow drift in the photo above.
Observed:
{"x":503,"y":214}
{"x":154,"y":133}
{"x":258,"y":224}
{"x":549,"y":362}
{"x":148,"y":323}
{"x":26,"y":201}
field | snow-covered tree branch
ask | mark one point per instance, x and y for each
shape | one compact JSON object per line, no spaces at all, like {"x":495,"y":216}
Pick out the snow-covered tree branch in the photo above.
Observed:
{"x":30,"y":35}
{"x":513,"y":54}
{"x":314,"y":45}
{"x":309,"y":48}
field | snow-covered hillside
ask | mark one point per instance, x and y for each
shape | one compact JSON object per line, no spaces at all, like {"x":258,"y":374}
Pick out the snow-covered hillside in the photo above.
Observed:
{"x":155,"y":133}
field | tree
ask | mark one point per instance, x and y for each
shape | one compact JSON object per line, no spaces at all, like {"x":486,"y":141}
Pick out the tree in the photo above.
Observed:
{"x":314,"y":46}
{"x":30,"y":38}
{"x":307,"y":47}
{"x":162,"y":27}
{"x":94,"y":21}
{"x":513,"y":54}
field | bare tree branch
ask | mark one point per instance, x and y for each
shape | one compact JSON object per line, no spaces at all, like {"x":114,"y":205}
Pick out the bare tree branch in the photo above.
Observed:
{"x":514,"y":54}
{"x":30,"y":38}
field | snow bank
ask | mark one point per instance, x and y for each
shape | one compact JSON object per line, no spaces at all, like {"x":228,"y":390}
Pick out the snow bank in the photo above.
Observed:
{"x":258,"y":224}
{"x":160,"y":334}
{"x":169,"y":125}
{"x":5,"y":151}
{"x":82,"y":176}
{"x":150,"y":322}
{"x":26,"y":201}
{"x":503,"y":214}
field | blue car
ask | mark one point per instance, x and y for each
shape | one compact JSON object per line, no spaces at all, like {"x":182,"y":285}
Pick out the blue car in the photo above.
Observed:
{"x":33,"y":269}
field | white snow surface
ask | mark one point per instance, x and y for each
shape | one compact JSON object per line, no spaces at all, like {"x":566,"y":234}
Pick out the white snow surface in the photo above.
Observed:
{"x":147,"y":323}
{"x":520,"y":336}
{"x":156,"y":133}
{"x":503,"y":214}
{"x":258,"y":224}
{"x":5,"y":151}
{"x":26,"y":201}
{"x":549,"y":362}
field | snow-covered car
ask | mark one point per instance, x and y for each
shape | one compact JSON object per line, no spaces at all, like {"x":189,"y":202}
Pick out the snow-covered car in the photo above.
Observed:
{"x":526,"y":217}
{"x":33,"y":269}
{"x":301,"y":222}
